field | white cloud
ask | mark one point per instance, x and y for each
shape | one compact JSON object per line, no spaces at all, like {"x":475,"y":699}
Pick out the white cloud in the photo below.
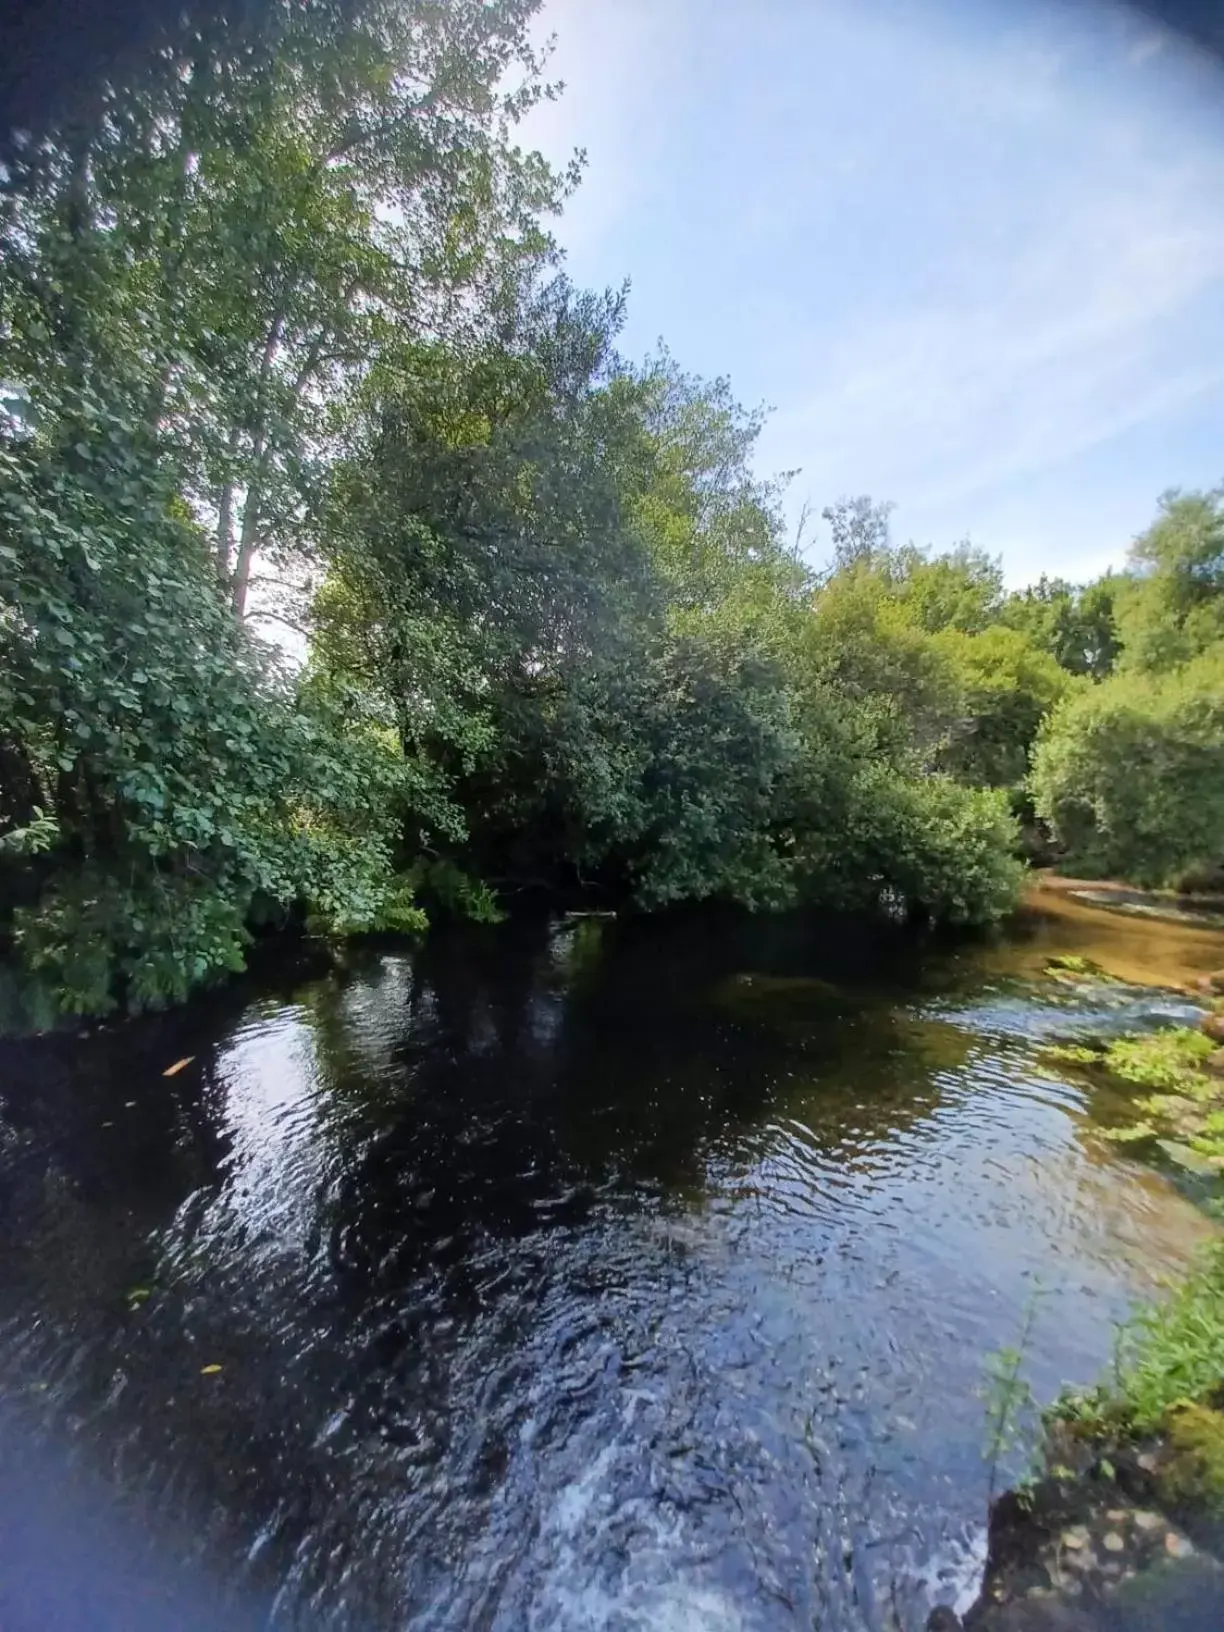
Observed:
{"x":1145,"y":48}
{"x":957,"y":256}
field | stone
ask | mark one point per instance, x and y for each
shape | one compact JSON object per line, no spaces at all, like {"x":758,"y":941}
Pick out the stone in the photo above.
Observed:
{"x":1177,"y":1546}
{"x":1075,"y":1538}
{"x":1213,"y":1025}
{"x":1025,"y":1583}
{"x":1044,"y":1616}
{"x":1147,"y":1521}
{"x":943,"y":1619}
{"x":1177,"y":1595}
{"x":1112,"y":1542}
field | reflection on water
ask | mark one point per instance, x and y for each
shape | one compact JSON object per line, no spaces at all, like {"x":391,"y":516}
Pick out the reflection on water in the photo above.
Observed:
{"x":583,"y":1275}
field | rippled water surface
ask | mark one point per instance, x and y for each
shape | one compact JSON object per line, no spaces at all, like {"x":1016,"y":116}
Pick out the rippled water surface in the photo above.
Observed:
{"x":575,"y":1275}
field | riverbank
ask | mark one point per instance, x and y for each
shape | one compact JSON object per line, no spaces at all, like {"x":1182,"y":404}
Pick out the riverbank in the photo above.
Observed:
{"x":1100,"y":1552}
{"x":1050,"y":878}
{"x":1121,"y":1528}
{"x":1164,"y":944}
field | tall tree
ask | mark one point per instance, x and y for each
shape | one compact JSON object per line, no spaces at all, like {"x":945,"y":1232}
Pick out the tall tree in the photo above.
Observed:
{"x":860,"y":531}
{"x":251,"y":219}
{"x":1076,"y":625}
{"x":1172,"y":608}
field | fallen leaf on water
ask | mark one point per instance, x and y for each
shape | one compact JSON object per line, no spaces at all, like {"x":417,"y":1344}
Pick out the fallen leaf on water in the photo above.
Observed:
{"x":139,"y":1293}
{"x":210,"y":1371}
{"x":173,"y":1070}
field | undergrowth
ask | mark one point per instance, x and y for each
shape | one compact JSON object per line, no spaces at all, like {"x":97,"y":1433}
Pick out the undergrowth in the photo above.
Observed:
{"x":1169,"y":1354}
{"x":1174,"y":1351}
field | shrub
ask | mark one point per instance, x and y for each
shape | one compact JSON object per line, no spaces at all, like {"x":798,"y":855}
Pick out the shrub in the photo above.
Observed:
{"x":1130,"y":774}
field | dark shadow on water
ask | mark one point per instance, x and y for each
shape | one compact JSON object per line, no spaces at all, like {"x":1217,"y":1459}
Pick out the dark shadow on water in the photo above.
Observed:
{"x":525,"y":1257}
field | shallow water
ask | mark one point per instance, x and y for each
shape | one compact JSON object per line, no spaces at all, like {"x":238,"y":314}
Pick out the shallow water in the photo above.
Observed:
{"x":571,"y":1275}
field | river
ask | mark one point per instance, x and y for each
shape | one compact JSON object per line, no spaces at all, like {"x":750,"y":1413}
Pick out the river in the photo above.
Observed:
{"x":572,"y":1274}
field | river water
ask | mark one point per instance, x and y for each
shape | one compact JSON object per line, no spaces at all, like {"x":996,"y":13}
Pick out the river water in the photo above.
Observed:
{"x":574,"y":1274}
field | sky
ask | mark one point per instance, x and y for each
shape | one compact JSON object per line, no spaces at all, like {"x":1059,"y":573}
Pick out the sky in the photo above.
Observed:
{"x":969,"y":252}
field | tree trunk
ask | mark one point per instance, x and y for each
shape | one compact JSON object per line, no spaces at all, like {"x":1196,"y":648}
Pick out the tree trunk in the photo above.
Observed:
{"x":247,"y":541}
{"x":225,"y":531}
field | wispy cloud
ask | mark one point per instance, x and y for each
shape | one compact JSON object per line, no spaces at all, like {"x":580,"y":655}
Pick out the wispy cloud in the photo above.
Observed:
{"x":1062,"y":347}
{"x":961,"y":250}
{"x":1145,"y":48}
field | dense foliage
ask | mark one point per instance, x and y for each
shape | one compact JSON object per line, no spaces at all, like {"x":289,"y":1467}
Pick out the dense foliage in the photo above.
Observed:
{"x":1129,"y":774}
{"x":284,"y":346}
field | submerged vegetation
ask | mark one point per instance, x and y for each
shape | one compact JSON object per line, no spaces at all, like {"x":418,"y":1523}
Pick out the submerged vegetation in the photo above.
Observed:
{"x":286,"y":351}
{"x":1185,"y":1067}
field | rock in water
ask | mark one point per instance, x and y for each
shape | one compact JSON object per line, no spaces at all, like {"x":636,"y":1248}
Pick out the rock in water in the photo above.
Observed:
{"x":1037,"y":1615}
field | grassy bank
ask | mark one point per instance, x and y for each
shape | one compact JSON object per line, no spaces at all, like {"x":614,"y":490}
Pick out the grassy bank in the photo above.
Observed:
{"x":1121,"y":1523}
{"x":1168,"y":1374}
{"x":1120,"y":1527}
{"x":1167,"y":1383}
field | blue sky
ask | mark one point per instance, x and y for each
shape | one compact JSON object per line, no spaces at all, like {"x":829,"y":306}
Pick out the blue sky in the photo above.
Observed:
{"x":972,"y":254}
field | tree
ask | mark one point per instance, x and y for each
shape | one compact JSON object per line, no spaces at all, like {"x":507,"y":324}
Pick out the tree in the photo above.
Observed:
{"x":480,"y":544}
{"x":860,"y":532}
{"x":194,"y":279}
{"x":1130,"y":774}
{"x":251,"y":218}
{"x":930,"y":845}
{"x":714,"y":528}
{"x":1172,"y":609}
{"x":286,"y":295}
{"x":961,"y":588}
{"x":168,"y":778}
{"x":862,"y":642}
{"x":671,"y":770}
{"x":1008,"y":685}
{"x":1075,"y":625}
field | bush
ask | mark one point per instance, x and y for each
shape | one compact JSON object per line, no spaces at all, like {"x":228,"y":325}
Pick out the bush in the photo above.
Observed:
{"x":1130,"y":774}
{"x":162,"y":777}
{"x":1175,"y":1351}
{"x":946,"y":850}
{"x":672,"y":769}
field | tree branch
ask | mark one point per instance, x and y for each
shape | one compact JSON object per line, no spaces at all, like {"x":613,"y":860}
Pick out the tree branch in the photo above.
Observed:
{"x":358,"y":138}
{"x":279,"y":617}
